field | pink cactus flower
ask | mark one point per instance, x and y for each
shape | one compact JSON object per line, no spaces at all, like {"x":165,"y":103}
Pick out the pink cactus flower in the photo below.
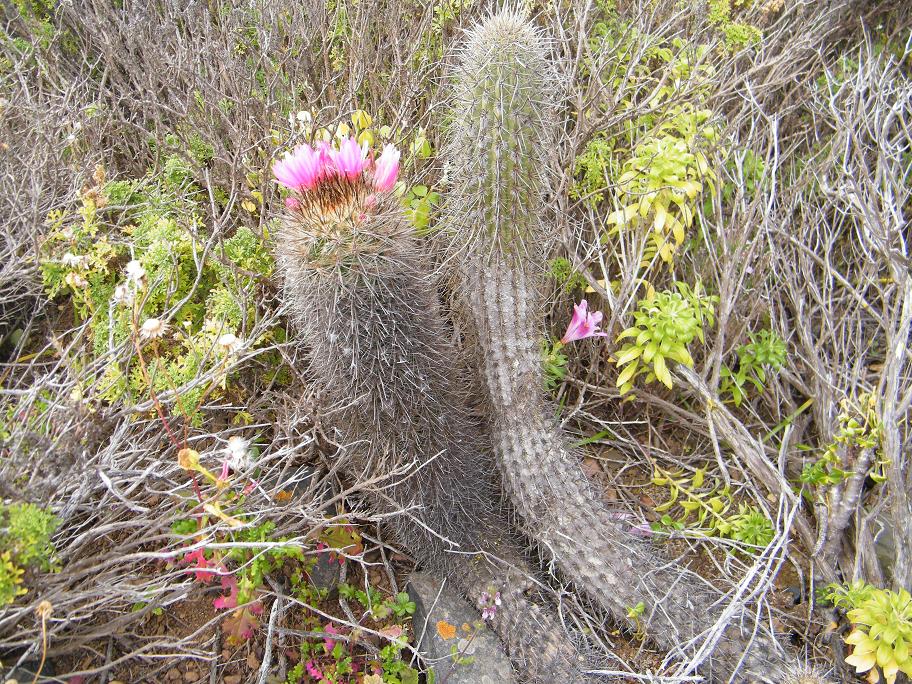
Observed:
{"x":292,"y":203}
{"x":583,"y":324}
{"x":299,"y":169}
{"x":387,"y":169}
{"x":350,"y":159}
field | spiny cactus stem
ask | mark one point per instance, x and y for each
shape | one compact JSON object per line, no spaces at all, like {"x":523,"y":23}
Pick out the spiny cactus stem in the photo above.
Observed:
{"x":364,"y":301}
{"x":543,"y":479}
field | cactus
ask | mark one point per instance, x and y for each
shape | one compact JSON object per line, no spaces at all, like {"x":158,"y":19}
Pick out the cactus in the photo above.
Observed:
{"x":500,"y":138}
{"x":361,"y":296}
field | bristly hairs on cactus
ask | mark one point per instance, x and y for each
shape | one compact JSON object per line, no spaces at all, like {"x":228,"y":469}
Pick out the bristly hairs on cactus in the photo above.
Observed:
{"x":364,"y":301}
{"x":499,"y":147}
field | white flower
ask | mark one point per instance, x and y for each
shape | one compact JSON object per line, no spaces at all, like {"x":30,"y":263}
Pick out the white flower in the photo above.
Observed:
{"x":229,"y":343}
{"x":76,"y":281}
{"x":75,"y":261}
{"x":135,"y":272}
{"x":123,"y":295}
{"x":237,"y":452}
{"x":152,"y":328}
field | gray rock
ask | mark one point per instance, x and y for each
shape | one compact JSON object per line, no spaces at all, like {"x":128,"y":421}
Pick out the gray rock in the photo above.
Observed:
{"x":471,"y":656}
{"x":325,"y":573}
{"x":25,"y":673}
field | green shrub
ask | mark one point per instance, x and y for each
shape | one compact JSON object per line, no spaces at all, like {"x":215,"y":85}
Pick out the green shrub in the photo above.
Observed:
{"x":25,"y":541}
{"x":664,"y":325}
{"x":134,"y":252}
{"x":765,"y":352}
{"x":882,"y":628}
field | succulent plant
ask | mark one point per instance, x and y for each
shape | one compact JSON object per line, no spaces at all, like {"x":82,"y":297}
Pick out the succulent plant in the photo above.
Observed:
{"x":499,"y":149}
{"x":364,"y":302}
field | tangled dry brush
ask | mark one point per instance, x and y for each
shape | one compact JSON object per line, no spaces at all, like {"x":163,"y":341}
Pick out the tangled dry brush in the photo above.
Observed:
{"x":806,"y":235}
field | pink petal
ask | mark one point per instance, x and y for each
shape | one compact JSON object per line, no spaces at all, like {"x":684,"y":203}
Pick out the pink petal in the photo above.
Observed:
{"x":583,"y":324}
{"x":386,"y":169}
{"x":230,"y":601}
{"x":350,"y":159}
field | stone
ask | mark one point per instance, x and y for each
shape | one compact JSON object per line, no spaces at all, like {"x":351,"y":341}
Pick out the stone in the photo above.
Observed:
{"x":325,"y":573}
{"x":232,"y":679}
{"x":173,"y":674}
{"x":452,"y":639}
{"x":26,"y":671}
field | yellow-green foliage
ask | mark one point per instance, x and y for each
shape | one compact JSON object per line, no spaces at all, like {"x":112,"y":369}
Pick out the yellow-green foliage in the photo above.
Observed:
{"x":707,"y":509}
{"x":25,"y":541}
{"x":10,"y":579}
{"x":881,"y":637}
{"x":859,"y":428}
{"x":659,"y":162}
{"x":736,"y":35}
{"x":664,"y":324}
{"x":155,"y":225}
{"x":663,"y":178}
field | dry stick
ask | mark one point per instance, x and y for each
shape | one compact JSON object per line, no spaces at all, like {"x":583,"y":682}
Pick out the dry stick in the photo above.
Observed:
{"x":499,"y":148}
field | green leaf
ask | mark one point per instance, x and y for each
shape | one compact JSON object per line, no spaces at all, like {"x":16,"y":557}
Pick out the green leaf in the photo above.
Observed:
{"x":661,"y":371}
{"x":628,"y":354}
{"x":627,"y":374}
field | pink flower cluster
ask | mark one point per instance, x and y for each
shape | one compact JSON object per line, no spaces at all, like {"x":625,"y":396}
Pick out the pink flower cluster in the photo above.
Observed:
{"x":583,"y":324}
{"x":488,"y":603}
{"x":305,"y":167}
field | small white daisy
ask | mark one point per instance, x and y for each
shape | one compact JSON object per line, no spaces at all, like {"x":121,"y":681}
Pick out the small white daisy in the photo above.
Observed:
{"x":76,"y":281}
{"x":135,"y":272}
{"x":229,"y":343}
{"x":237,"y":452}
{"x":152,"y":328}
{"x":123,"y":295}
{"x":75,"y":260}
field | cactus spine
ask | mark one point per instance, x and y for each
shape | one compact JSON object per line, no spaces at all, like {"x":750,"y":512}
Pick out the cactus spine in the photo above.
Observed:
{"x":358,"y":286}
{"x":501,"y":136}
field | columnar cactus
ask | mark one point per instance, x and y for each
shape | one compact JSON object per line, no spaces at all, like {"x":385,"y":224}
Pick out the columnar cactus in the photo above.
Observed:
{"x":501,"y":136}
{"x":359,"y":289}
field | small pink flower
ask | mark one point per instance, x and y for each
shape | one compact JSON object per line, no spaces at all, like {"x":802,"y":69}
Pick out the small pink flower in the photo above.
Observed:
{"x":386,"y":169}
{"x":583,"y":324}
{"x":292,"y":203}
{"x":328,"y":643}
{"x":313,"y":670}
{"x":350,"y":159}
{"x":488,"y":604}
{"x":299,"y":169}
